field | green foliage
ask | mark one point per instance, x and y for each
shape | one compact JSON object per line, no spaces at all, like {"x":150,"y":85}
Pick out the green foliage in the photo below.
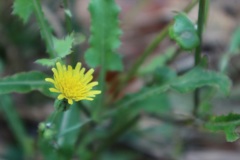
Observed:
{"x":86,"y":130}
{"x":105,"y":34}
{"x":62,"y":47}
{"x":15,"y":123}
{"x":184,"y":32}
{"x":198,"y":77}
{"x":226,"y":123}
{"x":48,"y":62}
{"x":158,"y":61}
{"x":156,"y":103}
{"x":71,"y":119}
{"x":163,"y":75}
{"x":144,"y":95}
{"x":24,"y":82}
{"x":45,"y":29}
{"x":234,"y":48}
{"x":235,"y":41}
{"x":23,"y":9}
{"x":206,"y":12}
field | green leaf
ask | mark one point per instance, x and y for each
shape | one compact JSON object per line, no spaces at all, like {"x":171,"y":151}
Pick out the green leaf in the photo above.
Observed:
{"x":158,"y":61}
{"x":73,"y":119}
{"x":24,"y":82}
{"x":234,"y":48}
{"x":105,"y":34}
{"x":23,"y":8}
{"x":156,"y":103}
{"x":199,"y":77}
{"x":15,"y":123}
{"x":47,"y":62}
{"x":156,"y":90}
{"x":63,"y":46}
{"x":235,"y":41}
{"x":164,"y":75}
{"x":184,"y":32}
{"x":45,"y":29}
{"x":226,"y":123}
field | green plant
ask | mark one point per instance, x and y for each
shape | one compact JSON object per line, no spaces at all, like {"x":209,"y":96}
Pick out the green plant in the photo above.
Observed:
{"x":87,"y":129}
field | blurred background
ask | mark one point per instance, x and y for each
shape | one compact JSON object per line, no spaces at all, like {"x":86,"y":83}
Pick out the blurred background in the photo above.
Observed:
{"x":140,"y":20}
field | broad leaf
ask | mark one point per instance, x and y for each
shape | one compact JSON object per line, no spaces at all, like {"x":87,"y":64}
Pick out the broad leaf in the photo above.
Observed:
{"x":105,"y":34}
{"x":24,"y":82}
{"x":198,"y":77}
{"x":157,"y":61}
{"x":15,"y":123}
{"x":154,"y":91}
{"x":73,"y":118}
{"x":228,"y":124}
{"x":156,"y":103}
{"x":23,"y":8}
{"x":163,"y":75}
{"x":184,"y":32}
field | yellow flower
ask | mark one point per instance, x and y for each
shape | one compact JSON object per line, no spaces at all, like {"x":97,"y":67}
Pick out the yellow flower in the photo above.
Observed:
{"x":73,"y":84}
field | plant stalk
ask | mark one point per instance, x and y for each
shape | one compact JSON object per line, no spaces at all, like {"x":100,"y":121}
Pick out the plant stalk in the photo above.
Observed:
{"x":152,"y":46}
{"x":45,"y":31}
{"x":68,"y":22}
{"x":201,"y":19}
{"x":16,"y":125}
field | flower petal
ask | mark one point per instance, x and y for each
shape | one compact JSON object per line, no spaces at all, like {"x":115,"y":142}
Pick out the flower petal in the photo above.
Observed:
{"x":92,"y":84}
{"x":77,"y":68}
{"x":49,"y":80}
{"x":70,"y":101}
{"x":54,"y":90}
{"x":60,"y":96}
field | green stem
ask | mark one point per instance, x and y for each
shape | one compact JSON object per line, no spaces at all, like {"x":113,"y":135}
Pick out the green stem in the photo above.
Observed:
{"x":125,"y":104}
{"x":54,"y":116}
{"x":76,"y":127}
{"x":45,"y":31}
{"x":201,"y":18}
{"x":114,"y":136}
{"x":147,"y":52}
{"x":69,"y":27}
{"x":100,"y":99}
{"x":68,"y":22}
{"x":15,"y":124}
{"x":153,"y":45}
{"x":64,"y":124}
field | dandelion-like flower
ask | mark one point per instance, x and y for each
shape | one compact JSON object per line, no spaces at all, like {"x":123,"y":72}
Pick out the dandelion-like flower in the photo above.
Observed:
{"x":73,"y":84}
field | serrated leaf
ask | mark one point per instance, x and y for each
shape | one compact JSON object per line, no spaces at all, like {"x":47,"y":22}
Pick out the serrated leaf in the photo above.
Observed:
{"x":164,"y":75}
{"x":105,"y":34}
{"x":23,"y":8}
{"x":144,"y":95}
{"x":63,"y":46}
{"x":184,"y":32}
{"x":25,"y":82}
{"x":156,"y":103}
{"x":226,"y":123}
{"x":199,"y":77}
{"x":158,"y":61}
{"x":47,"y":62}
